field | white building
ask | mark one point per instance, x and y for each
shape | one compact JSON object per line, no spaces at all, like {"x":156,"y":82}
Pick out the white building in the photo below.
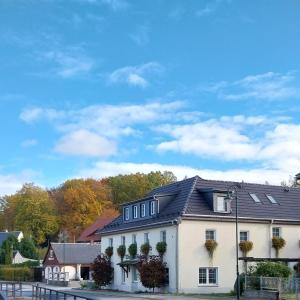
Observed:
{"x":187,"y":213}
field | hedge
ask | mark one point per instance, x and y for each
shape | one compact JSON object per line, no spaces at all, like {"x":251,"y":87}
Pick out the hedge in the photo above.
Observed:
{"x":9,"y":273}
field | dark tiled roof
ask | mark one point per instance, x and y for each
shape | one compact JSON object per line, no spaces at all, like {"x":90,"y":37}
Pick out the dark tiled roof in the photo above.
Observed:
{"x":79,"y":253}
{"x":190,"y":200}
{"x":4,"y":235}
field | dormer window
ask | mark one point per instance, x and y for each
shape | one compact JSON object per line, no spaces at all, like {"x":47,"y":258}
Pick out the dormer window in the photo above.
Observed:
{"x":152,"y":208}
{"x":135,"y":212}
{"x":221,"y":204}
{"x":126,"y":213}
{"x":143,"y":210}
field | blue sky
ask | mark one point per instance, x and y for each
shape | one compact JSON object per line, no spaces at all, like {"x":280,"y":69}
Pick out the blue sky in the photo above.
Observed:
{"x":92,"y":88}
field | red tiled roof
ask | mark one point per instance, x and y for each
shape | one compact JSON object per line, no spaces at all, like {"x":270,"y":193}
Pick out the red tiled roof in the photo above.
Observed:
{"x":89,"y":234}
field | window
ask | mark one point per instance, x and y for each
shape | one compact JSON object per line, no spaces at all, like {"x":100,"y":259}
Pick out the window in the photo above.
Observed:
{"x":135,"y":212}
{"x":111,"y":242}
{"x":255,"y":198}
{"x":134,"y":274}
{"x":143,"y":210}
{"x":163,"y":236}
{"x":244,"y":236}
{"x":208,"y":276}
{"x":134,"y":239}
{"x":123,"y":240}
{"x":271,"y":198}
{"x":126,"y":213}
{"x":221,"y":207}
{"x":276,"y":232}
{"x":152,"y":208}
{"x":146,"y":238}
{"x":210,"y":234}
{"x":123,"y":276}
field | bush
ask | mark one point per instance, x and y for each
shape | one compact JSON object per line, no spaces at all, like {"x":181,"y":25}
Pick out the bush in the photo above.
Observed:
{"x":145,"y":249}
{"x":271,"y":269}
{"x":278,"y":243}
{"x":161,"y":248}
{"x":245,"y":247}
{"x":121,"y":251}
{"x":132,"y":250}
{"x":102,"y":271}
{"x":153,"y":273}
{"x":211,"y":246}
{"x":109,"y":251}
{"x":12,"y":273}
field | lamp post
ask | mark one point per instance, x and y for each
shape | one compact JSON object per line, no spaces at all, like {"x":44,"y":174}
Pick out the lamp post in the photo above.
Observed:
{"x":232,"y":195}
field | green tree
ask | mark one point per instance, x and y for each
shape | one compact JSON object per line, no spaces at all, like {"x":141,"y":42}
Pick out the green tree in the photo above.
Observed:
{"x":6,"y":252}
{"x":134,"y":186}
{"x":28,"y":249}
{"x":271,"y":269}
{"x":32,"y":212}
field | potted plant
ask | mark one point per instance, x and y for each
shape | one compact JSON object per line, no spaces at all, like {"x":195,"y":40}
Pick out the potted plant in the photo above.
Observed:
{"x":211,"y":246}
{"x":132,"y":250}
{"x":145,"y":249}
{"x":245,"y":247}
{"x":278,"y":243}
{"x":109,"y":251}
{"x":121,"y":251}
{"x":161,"y":248}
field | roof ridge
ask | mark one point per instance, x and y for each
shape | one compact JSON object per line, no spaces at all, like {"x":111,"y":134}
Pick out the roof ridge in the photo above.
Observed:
{"x":189,"y":195}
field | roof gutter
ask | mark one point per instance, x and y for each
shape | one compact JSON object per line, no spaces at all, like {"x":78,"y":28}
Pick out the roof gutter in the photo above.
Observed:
{"x":157,"y":224}
{"x":229,"y":218}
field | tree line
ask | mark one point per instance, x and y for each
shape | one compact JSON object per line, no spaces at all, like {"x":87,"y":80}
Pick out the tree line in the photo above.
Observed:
{"x":63,"y":212}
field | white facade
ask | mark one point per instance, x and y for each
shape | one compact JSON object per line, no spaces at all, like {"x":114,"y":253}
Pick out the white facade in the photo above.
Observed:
{"x":186,"y":252}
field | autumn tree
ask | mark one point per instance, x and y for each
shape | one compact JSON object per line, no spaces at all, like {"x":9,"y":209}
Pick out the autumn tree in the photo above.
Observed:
{"x":102,"y":271}
{"x":31,"y":211}
{"x":80,"y":202}
{"x":134,"y":186}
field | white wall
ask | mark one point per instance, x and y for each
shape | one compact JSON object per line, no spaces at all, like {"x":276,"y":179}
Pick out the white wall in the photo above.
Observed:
{"x":193,"y":254}
{"x":154,"y":237}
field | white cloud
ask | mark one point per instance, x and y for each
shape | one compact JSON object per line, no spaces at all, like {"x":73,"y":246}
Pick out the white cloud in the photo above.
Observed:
{"x":30,"y":115}
{"x":103,"y":169}
{"x":10,"y":183}
{"x":115,"y":5}
{"x":135,"y":75}
{"x":69,"y":63}
{"x":85,"y":143}
{"x":29,"y":143}
{"x":266,"y":86}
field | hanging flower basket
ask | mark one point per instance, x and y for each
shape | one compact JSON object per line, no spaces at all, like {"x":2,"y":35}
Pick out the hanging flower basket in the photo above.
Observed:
{"x":145,"y":249}
{"x":278,"y":243}
{"x":121,"y":251}
{"x":211,"y":246}
{"x":132,"y":250}
{"x":245,"y":247}
{"x":109,"y":251}
{"x":161,"y":248}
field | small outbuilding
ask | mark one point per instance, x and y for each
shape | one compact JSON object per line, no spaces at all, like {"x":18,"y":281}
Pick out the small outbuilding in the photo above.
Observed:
{"x":70,"y":261}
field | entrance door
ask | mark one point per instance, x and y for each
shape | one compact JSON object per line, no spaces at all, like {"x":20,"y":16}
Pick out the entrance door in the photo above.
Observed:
{"x":85,"y":273}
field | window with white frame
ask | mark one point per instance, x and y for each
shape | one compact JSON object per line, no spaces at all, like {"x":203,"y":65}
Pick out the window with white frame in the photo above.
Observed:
{"x":135,"y":211}
{"x":143,"y":210}
{"x":134,"y":274}
{"x":134,"y":239}
{"x":146,"y":238}
{"x":163,"y":236}
{"x":276,"y":232}
{"x":123,"y":240}
{"x":111,"y":242}
{"x":126,"y":213}
{"x":152,"y":208}
{"x":210,"y":234}
{"x":208,"y":276}
{"x":244,"y":236}
{"x":220,"y":204}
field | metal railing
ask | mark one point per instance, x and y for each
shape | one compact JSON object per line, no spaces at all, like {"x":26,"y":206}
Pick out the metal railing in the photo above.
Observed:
{"x":11,"y":289}
{"x":39,"y":293}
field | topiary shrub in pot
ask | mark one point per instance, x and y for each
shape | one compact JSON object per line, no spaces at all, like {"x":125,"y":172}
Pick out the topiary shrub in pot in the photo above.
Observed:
{"x":278,"y":243}
{"x":109,"y":251}
{"x":121,"y":251}
{"x":211,"y":246}
{"x":132,"y":250}
{"x":161,"y":248}
{"x":245,"y":247}
{"x":145,"y":249}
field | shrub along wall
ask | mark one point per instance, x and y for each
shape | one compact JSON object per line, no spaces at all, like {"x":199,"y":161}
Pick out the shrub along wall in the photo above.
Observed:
{"x":10,"y":273}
